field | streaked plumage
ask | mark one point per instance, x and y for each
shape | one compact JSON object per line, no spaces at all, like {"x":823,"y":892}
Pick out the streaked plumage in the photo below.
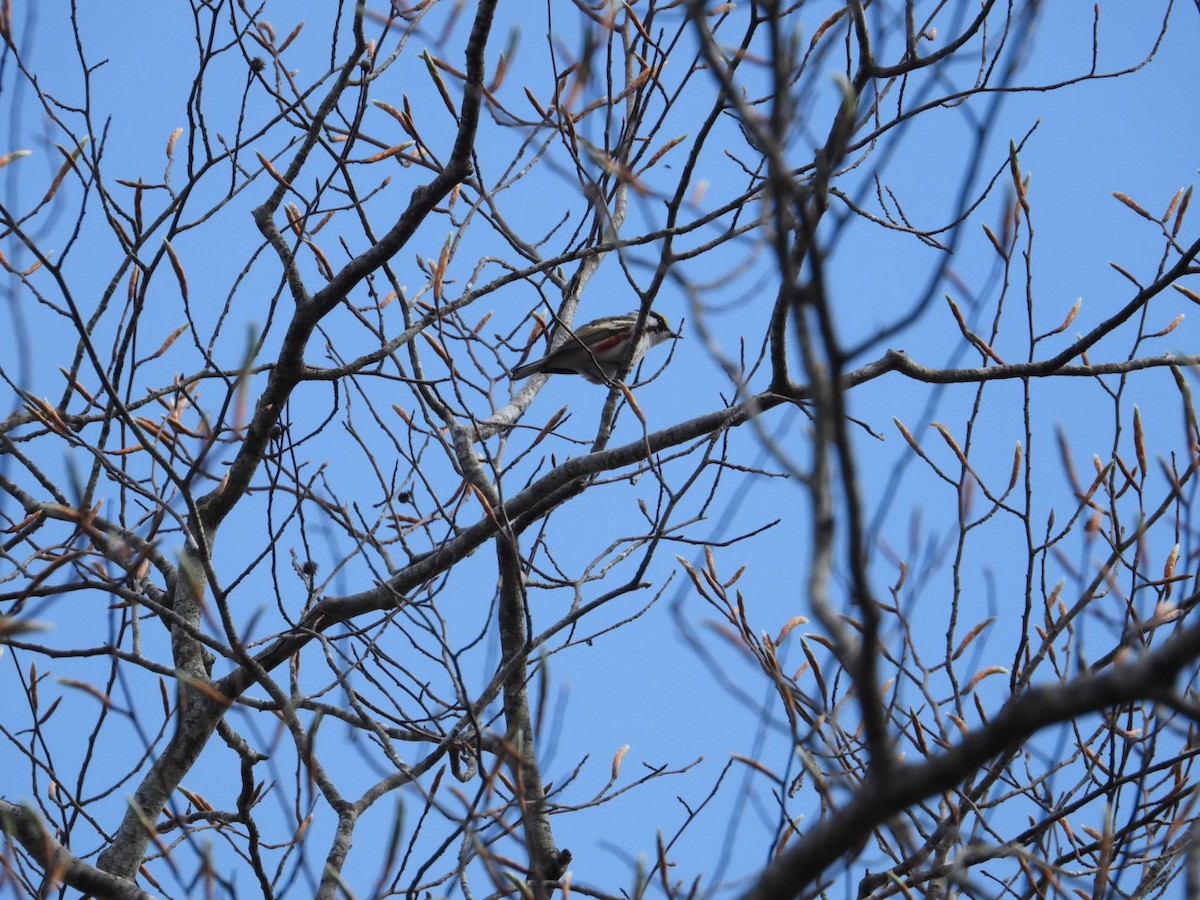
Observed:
{"x":597,"y":349}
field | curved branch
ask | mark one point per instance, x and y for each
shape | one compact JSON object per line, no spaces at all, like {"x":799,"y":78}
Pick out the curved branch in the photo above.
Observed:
{"x":1149,"y":678}
{"x":289,"y":367}
{"x":202,"y":710}
{"x":58,"y":862}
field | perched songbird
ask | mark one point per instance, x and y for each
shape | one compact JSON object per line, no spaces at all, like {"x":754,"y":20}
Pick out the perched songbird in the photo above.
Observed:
{"x":597,"y":349}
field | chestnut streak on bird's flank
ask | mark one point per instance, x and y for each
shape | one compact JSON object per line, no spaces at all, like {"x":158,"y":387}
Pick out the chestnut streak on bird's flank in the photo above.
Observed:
{"x":597,"y":350}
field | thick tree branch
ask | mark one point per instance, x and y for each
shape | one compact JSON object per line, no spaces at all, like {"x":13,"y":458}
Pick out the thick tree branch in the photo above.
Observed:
{"x":60,"y":864}
{"x":1147,"y":679}
{"x":199,"y":713}
{"x":289,"y":366}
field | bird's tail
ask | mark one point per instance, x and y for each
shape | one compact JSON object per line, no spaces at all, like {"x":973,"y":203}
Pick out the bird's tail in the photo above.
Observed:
{"x":530,"y":368}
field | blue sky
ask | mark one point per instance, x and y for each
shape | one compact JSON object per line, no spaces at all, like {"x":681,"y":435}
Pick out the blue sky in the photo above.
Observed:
{"x":641,"y":686}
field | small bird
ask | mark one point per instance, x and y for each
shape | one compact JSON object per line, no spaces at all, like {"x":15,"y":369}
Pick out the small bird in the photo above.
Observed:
{"x":597,"y":349}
